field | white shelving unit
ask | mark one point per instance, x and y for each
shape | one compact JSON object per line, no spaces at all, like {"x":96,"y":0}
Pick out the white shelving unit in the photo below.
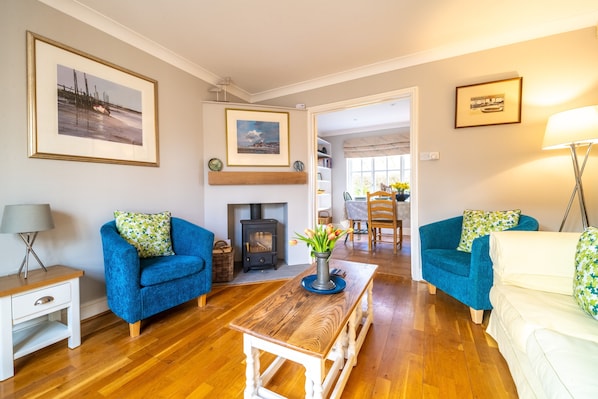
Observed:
{"x":324,"y":179}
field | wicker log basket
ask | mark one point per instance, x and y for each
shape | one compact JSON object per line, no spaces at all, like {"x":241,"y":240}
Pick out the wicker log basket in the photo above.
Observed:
{"x":324,"y":217}
{"x":223,"y":257}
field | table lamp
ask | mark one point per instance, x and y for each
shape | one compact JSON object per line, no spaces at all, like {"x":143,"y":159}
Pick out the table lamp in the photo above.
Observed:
{"x":572,"y":129}
{"x":26,"y":221}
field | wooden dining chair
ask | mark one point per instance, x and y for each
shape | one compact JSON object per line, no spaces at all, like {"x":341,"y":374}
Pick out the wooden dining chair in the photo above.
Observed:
{"x":382,"y":214}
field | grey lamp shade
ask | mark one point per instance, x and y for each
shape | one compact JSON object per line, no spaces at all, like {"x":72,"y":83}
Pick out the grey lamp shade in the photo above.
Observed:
{"x":27,"y":218}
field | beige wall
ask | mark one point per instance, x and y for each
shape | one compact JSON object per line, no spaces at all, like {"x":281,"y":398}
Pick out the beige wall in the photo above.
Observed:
{"x":84,"y":195}
{"x":494,"y":167}
{"x":487,"y":167}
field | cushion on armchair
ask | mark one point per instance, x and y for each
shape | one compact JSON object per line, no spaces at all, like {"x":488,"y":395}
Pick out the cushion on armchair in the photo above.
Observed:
{"x":480,"y":223}
{"x":148,"y":233}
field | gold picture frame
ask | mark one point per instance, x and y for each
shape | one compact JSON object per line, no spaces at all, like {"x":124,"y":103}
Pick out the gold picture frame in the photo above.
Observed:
{"x":490,"y":103}
{"x":82,"y":108}
{"x":257,"y":138}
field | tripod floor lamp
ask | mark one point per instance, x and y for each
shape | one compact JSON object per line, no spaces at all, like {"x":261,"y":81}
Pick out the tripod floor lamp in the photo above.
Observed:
{"x":26,"y":221}
{"x":571,"y":129}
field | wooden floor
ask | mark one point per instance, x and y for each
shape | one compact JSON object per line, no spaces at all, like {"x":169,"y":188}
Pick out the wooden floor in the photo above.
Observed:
{"x":420,"y":346}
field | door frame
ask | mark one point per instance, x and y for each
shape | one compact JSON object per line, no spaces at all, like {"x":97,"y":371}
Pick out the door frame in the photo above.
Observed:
{"x":412,"y":94}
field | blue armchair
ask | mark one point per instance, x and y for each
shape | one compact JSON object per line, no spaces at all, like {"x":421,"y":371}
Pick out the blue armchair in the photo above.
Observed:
{"x":465,"y":276}
{"x":138,"y":288}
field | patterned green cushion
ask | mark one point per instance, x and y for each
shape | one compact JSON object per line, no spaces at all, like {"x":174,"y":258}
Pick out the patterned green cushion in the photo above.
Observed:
{"x":480,"y":223}
{"x":585,"y":281}
{"x":149,"y":233}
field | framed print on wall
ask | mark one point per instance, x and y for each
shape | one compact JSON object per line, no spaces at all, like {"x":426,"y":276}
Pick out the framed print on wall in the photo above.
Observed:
{"x":81,"y":108}
{"x":257,"y":138}
{"x":491,"y":103}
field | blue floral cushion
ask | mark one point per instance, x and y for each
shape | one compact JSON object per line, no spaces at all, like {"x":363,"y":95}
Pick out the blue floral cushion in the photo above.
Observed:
{"x":149,"y":233}
{"x":480,"y":223}
{"x":585,"y":281}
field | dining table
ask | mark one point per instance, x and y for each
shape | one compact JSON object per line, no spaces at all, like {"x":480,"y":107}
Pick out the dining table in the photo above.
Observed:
{"x":357,"y":214}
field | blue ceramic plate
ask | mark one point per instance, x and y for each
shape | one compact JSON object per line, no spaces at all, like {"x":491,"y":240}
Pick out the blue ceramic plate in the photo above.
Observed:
{"x":339,"y":281}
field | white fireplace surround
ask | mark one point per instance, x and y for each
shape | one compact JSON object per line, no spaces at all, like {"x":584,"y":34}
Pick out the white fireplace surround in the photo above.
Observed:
{"x":299,"y":204}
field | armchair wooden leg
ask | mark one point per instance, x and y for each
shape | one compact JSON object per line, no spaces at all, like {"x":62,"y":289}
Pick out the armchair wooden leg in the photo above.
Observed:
{"x":201,"y":300}
{"x":135,"y":329}
{"x":431,"y":289}
{"x":476,"y":315}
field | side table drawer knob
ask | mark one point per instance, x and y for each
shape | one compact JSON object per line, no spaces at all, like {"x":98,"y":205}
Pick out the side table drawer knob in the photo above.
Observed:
{"x":43,"y":300}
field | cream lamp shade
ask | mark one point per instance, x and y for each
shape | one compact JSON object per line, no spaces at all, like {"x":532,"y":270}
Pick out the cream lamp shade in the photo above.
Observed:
{"x":570,"y":129}
{"x":577,"y":126}
{"x":27,"y":218}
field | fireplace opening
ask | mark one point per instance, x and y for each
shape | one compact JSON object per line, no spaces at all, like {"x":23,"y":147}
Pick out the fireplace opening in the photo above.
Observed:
{"x":259,"y":240}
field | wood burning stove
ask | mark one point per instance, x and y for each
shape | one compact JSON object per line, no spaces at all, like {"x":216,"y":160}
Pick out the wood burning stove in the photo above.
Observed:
{"x":259,"y":240}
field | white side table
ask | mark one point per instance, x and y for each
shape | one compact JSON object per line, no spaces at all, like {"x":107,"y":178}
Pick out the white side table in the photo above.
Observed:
{"x":41,"y":294}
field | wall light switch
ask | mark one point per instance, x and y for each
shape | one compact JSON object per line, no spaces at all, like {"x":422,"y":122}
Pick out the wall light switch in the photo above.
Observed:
{"x":429,"y":156}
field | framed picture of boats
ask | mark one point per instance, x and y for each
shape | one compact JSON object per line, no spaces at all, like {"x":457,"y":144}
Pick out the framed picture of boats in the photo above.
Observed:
{"x":82,"y":108}
{"x":491,"y":103}
{"x":257,"y":138}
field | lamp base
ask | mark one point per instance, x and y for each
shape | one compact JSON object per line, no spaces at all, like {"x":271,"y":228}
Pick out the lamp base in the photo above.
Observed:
{"x":29,"y":239}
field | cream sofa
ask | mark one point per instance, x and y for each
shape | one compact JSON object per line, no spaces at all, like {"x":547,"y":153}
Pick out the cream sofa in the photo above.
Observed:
{"x":549,"y":343}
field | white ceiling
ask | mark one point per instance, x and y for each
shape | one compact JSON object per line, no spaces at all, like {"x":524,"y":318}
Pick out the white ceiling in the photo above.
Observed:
{"x":385,"y":115}
{"x":272,"y":48}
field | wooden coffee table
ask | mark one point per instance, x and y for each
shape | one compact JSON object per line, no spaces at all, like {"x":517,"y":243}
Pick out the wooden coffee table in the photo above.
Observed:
{"x":324,"y":333}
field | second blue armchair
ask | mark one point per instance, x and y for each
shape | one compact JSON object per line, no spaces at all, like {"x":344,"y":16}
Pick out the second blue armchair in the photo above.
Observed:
{"x":465,"y":276}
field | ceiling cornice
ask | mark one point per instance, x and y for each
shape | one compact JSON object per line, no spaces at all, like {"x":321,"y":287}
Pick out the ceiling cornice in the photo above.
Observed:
{"x":437,"y":54}
{"x":83,"y":13}
{"x":90,"y":17}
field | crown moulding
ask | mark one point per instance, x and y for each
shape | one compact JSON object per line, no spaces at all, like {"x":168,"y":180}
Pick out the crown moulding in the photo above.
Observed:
{"x":255,"y":178}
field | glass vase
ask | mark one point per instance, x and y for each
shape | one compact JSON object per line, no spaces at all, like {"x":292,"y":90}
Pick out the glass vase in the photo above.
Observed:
{"x":322,"y":281}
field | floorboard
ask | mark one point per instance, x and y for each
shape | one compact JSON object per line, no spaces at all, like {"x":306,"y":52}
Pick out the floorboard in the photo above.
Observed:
{"x":420,"y":346}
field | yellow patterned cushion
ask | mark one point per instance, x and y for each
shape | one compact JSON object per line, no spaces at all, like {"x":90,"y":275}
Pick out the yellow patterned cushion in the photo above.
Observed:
{"x":149,"y":233}
{"x":480,"y":223}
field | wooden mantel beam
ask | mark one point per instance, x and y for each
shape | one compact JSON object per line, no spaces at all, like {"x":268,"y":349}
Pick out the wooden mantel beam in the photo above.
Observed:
{"x":253,"y":178}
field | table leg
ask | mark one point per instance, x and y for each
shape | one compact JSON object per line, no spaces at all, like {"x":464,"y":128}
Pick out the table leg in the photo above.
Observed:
{"x":314,"y":375}
{"x":252,"y":371}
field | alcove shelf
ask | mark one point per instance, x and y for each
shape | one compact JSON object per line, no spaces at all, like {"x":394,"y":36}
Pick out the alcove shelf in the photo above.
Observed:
{"x":252,"y":178}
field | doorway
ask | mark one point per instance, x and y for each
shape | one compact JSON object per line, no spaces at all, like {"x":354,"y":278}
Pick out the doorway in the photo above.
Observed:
{"x":410,"y":94}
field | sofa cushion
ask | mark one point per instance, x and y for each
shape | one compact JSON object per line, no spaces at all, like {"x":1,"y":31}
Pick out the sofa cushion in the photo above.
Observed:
{"x":566,"y":366}
{"x":540,"y":260}
{"x":149,"y":233}
{"x":450,"y":260}
{"x":523,"y":311}
{"x":480,"y":223}
{"x":157,"y":270}
{"x":585,"y":283}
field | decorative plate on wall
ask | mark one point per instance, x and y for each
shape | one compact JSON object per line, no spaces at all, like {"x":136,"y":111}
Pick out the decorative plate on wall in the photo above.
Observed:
{"x":215,"y":164}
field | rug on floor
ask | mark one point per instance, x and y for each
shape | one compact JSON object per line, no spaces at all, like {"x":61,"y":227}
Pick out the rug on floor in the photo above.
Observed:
{"x":283,"y":272}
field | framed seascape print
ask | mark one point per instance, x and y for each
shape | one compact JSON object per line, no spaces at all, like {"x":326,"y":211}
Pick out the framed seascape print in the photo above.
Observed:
{"x":257,"y":138}
{"x":491,"y":103}
{"x":81,"y":108}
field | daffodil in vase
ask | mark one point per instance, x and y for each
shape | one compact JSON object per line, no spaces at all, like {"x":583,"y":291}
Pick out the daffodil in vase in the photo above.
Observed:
{"x":401,"y":187}
{"x":321,"y":241}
